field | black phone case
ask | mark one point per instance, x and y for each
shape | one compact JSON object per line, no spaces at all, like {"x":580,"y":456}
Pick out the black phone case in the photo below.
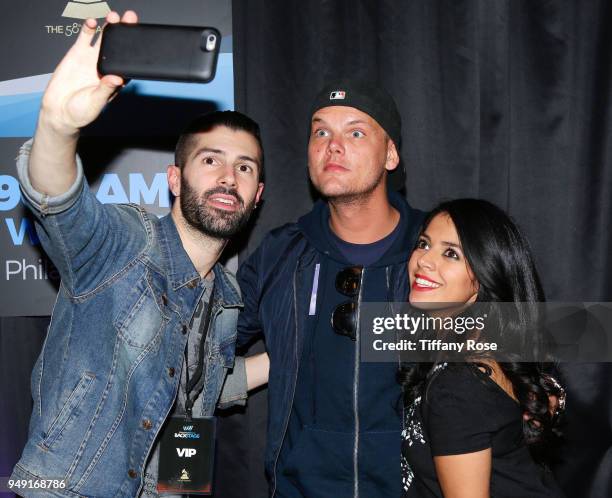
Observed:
{"x":158,"y":52}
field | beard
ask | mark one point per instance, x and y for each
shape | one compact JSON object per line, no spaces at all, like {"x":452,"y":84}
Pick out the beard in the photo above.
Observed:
{"x":208,"y":220}
{"x":351,"y":194}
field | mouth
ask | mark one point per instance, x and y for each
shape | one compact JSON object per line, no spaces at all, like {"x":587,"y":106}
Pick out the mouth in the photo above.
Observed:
{"x":224,"y":202}
{"x":335,"y":167}
{"x":422,"y":283}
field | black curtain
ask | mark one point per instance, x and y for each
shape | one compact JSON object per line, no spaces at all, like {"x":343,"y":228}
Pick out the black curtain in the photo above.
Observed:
{"x":507,"y":100}
{"x":21,"y":339}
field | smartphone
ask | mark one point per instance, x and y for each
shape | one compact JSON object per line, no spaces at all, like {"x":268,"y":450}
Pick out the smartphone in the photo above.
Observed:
{"x":159,"y":52}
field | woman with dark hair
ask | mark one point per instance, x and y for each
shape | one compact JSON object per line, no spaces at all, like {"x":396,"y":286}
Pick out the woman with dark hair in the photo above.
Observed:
{"x":481,"y":428}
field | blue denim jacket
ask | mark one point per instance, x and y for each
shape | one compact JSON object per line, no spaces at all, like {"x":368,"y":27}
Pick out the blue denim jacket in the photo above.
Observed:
{"x":110,"y":366}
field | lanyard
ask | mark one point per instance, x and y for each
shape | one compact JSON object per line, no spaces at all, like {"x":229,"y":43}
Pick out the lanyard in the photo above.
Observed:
{"x":197,"y":375}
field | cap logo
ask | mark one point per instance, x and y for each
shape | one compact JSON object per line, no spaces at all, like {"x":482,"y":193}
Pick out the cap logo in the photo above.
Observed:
{"x":337,"y":95}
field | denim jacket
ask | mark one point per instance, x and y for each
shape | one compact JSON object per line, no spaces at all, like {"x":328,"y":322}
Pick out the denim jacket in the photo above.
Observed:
{"x":110,"y":365}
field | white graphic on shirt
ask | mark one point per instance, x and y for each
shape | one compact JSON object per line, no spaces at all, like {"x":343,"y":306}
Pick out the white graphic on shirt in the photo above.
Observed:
{"x":413,"y":433}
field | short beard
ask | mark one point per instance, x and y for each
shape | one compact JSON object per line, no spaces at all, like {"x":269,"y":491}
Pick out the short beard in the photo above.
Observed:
{"x":208,"y":220}
{"x":354,"y":197}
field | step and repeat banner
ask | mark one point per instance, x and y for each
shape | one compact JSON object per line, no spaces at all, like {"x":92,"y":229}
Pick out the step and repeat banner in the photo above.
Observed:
{"x":125,"y":152}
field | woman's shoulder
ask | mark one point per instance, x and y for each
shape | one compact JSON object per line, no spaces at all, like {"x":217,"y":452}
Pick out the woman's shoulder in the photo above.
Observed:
{"x":454,"y":377}
{"x":459,"y":384}
{"x":457,"y":410}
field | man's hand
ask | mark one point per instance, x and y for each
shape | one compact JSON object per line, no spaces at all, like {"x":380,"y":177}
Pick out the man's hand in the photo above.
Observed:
{"x":76,"y":94}
{"x":556,"y":399}
{"x":74,"y":98}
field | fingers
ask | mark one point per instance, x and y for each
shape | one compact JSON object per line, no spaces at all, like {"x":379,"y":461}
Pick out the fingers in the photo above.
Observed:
{"x":112,"y":81}
{"x":106,"y":90}
{"x":553,"y":404}
{"x":112,"y":17}
{"x":88,"y":31}
{"x":129,"y":16}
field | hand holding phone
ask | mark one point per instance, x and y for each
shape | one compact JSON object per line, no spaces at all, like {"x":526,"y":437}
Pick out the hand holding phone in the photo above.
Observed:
{"x":159,"y":52}
{"x":76,"y":94}
{"x":74,"y":97}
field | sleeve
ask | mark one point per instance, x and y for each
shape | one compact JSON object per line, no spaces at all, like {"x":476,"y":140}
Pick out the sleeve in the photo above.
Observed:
{"x":456,"y":416}
{"x":39,"y":202}
{"x":249,"y":324}
{"x":234,"y":392}
{"x":86,"y":240}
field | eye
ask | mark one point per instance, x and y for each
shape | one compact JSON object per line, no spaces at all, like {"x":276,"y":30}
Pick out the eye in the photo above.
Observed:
{"x":244,"y":168}
{"x":422,"y":244}
{"x":357,"y":134}
{"x":320,"y":133}
{"x":209,"y":161}
{"x":451,"y":253}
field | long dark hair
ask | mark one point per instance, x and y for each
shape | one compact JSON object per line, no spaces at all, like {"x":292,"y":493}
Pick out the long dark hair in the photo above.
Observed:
{"x":501,"y":261}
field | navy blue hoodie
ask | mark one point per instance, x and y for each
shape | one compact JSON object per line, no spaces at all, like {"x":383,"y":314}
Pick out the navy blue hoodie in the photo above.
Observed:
{"x":341,"y":423}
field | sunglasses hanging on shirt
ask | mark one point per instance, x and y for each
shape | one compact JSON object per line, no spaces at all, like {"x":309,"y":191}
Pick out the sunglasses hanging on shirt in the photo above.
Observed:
{"x":344,"y":316}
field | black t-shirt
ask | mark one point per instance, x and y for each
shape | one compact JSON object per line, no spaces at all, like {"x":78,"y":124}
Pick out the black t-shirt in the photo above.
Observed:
{"x":365,"y":254}
{"x":462,"y":410}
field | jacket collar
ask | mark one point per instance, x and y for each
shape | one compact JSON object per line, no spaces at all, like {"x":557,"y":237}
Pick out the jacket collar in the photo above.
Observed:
{"x":180,"y":269}
{"x":226,"y":288}
{"x":315,"y":227}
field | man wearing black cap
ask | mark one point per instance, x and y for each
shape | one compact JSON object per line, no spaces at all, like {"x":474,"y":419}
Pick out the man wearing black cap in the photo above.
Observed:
{"x":334,"y":421}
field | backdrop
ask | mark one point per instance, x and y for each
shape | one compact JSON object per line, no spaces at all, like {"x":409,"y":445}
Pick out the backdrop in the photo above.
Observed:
{"x":503,"y":99}
{"x":508,"y":100}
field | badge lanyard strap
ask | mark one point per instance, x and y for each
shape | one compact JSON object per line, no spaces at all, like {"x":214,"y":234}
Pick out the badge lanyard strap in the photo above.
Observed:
{"x":197,"y":375}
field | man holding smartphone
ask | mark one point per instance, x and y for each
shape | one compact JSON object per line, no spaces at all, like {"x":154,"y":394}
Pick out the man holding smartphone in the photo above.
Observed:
{"x":144,"y":326}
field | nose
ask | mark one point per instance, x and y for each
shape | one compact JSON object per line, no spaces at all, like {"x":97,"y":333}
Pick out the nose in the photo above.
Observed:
{"x":427,"y":261}
{"x":227,"y":178}
{"x":335,"y":145}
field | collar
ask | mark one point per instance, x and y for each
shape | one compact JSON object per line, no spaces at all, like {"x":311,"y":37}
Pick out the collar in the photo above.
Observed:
{"x":226,"y":288}
{"x":181,"y":272}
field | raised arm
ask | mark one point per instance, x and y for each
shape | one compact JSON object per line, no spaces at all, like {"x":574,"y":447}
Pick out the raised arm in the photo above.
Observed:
{"x":87,"y":242}
{"x":74,"y":98}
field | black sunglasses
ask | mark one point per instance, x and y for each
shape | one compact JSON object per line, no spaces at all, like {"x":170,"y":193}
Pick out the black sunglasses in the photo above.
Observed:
{"x":344,"y":316}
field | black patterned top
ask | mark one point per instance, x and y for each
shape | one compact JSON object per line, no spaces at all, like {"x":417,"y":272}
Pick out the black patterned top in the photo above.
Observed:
{"x":462,"y":410}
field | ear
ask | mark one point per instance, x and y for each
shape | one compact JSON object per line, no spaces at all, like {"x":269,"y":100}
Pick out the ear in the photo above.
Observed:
{"x":173,"y":173}
{"x":476,"y":288}
{"x":260,"y":189}
{"x":392,"y":156}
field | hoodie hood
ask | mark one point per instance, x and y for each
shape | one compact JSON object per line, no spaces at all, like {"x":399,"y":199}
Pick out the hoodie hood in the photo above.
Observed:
{"x":315,"y":227}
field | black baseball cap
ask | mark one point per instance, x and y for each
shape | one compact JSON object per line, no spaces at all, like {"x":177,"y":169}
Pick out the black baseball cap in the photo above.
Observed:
{"x":376,"y":103}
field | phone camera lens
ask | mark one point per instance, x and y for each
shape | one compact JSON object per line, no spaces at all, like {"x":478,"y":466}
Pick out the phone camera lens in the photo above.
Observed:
{"x":211,"y":42}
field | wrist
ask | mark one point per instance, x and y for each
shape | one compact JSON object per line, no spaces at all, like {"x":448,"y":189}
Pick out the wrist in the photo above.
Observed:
{"x":49,"y":123}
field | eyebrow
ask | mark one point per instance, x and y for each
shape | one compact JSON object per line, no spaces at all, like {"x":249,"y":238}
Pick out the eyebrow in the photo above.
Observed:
{"x":444,"y":242}
{"x":451,"y":244}
{"x":350,"y":123}
{"x":357,"y":121}
{"x":201,"y":150}
{"x":223,"y":153}
{"x":249,"y":158}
